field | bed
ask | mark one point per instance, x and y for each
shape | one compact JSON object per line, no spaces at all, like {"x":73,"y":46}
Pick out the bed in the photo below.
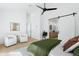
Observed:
{"x":43,"y":47}
{"x":34,"y":49}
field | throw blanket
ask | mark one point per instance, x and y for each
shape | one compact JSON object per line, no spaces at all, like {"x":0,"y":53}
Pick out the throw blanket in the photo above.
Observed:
{"x":43,"y":47}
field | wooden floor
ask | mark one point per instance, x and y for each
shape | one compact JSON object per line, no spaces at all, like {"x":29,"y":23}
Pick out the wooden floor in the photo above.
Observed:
{"x":4,"y":49}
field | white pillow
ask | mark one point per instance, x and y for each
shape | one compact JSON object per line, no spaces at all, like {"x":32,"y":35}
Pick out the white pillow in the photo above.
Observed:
{"x":72,"y":47}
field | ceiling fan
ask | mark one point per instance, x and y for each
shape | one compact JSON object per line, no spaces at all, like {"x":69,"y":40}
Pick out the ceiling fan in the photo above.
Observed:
{"x":45,"y":9}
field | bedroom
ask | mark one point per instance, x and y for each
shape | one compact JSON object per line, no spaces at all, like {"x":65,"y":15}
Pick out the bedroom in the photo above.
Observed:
{"x":27,"y":21}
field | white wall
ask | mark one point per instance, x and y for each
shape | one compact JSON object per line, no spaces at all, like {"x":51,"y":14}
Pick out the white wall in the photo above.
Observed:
{"x":12,"y":13}
{"x":35,"y":26}
{"x":34,"y":18}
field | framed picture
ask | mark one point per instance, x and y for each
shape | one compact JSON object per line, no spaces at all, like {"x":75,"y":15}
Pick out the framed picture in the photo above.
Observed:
{"x":14,"y":26}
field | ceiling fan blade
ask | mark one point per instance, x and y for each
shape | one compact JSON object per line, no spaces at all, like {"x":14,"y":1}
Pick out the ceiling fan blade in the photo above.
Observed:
{"x":51,"y":9}
{"x":39,"y":7}
{"x":42,"y":12}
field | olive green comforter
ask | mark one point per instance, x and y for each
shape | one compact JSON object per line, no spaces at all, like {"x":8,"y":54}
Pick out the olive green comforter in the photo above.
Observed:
{"x":43,"y":47}
{"x":76,"y":51}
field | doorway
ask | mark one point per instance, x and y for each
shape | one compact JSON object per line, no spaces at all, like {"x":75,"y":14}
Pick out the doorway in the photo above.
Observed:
{"x":53,"y":29}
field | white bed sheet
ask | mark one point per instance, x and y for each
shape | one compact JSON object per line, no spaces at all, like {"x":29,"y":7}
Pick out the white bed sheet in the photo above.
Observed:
{"x":58,"y":51}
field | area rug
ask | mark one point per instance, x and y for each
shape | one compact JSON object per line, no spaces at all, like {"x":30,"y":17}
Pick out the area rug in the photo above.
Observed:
{"x":17,"y":52}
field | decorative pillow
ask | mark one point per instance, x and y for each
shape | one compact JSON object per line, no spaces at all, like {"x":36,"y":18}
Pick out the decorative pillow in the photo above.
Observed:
{"x":71,"y":44}
{"x":72,"y":47}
